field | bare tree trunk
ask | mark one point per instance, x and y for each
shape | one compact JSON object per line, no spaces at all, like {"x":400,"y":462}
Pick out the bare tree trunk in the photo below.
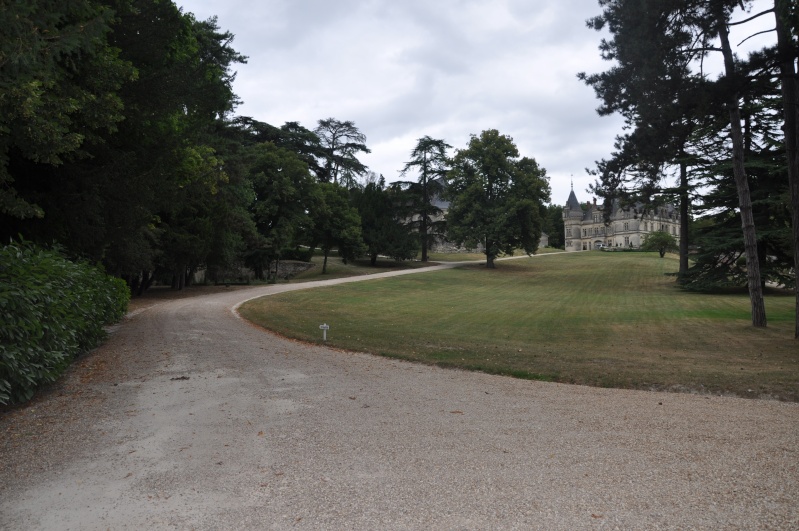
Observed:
{"x":742,"y":183}
{"x":425,"y":205}
{"x":790,"y":102}
{"x":684,"y":199}
{"x":423,"y":235}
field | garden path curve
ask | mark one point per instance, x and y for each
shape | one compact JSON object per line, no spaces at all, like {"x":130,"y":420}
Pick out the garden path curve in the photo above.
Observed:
{"x":188,"y":417}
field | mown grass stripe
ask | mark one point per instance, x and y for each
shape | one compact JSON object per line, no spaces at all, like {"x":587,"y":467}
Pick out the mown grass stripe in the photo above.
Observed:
{"x":595,"y":318}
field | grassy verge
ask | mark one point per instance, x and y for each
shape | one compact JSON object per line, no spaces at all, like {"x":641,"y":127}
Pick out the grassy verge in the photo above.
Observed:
{"x":604,"y":319}
{"x":336,"y":268}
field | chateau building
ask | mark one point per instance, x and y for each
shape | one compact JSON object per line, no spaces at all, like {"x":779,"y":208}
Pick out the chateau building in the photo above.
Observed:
{"x":628,"y":227}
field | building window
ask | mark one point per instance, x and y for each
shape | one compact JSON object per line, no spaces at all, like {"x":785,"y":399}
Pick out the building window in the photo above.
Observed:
{"x":585,"y":232}
{"x":626,"y":226}
{"x":626,"y":241}
{"x":569,"y":232}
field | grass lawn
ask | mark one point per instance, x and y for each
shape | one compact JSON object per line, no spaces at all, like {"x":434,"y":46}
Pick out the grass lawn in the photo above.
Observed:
{"x":336,"y":268}
{"x":604,"y":319}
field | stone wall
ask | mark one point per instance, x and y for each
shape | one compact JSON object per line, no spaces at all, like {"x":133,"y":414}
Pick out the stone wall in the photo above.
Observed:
{"x":290,"y":268}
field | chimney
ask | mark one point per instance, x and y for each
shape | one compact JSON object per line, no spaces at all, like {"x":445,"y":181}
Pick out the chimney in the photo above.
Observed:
{"x":595,"y":201}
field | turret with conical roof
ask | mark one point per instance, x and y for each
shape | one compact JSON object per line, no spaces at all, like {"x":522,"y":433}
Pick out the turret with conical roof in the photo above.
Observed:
{"x":573,"y":208}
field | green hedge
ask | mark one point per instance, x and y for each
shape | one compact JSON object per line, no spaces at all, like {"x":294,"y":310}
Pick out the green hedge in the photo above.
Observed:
{"x":52,"y":311}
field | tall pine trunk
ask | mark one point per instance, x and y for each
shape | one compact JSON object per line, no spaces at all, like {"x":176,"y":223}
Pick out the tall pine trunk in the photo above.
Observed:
{"x":425,"y":205}
{"x":790,"y":102}
{"x":741,"y":181}
{"x":684,"y":199}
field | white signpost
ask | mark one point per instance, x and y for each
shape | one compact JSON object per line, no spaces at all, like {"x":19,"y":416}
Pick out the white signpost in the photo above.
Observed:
{"x":324,"y":328}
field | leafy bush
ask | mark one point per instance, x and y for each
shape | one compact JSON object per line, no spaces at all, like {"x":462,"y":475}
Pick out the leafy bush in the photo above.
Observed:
{"x":53,"y":310}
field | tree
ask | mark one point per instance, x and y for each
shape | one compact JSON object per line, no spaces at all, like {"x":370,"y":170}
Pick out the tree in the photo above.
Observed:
{"x":123,"y":177}
{"x":786,"y":14}
{"x":552,"y":216}
{"x":660,"y":241}
{"x":383,"y":224}
{"x":59,"y":88}
{"x":336,"y":224}
{"x":496,"y":197}
{"x":429,"y":159}
{"x":340,"y":142}
{"x":285,"y":193}
{"x":653,"y":87}
{"x":684,"y":31}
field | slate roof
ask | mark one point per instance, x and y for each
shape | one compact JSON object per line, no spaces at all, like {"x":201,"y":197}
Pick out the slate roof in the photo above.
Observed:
{"x":573,"y":202}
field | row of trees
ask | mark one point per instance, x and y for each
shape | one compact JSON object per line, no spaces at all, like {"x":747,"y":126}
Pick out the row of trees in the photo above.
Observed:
{"x":730,"y":140}
{"x":118,"y":142}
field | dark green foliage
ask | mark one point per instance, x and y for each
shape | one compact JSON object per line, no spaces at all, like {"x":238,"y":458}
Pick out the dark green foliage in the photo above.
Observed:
{"x":127,"y":117}
{"x":552,"y":218}
{"x":496,"y":197}
{"x":428,"y":159}
{"x":340,"y":142}
{"x":299,"y":254}
{"x":660,"y":241}
{"x":285,"y":193}
{"x":336,"y":224}
{"x":59,"y":79}
{"x":53,"y":310}
{"x":383,"y":221}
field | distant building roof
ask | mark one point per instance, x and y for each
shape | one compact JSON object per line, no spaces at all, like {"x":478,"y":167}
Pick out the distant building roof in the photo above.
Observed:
{"x":573,"y":202}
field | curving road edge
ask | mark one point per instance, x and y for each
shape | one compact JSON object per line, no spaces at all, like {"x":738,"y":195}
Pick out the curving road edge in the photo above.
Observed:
{"x":190,"y":418}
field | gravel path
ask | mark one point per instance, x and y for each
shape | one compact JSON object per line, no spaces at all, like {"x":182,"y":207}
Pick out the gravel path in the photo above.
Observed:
{"x":191,"y":418}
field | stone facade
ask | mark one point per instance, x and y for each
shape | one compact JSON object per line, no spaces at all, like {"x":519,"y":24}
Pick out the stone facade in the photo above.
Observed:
{"x":586,"y":229}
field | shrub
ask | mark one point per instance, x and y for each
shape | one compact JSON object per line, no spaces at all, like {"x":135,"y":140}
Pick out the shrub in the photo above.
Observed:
{"x":53,"y":310}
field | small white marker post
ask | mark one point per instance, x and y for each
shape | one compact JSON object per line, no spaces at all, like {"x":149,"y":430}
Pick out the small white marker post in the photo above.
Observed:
{"x":324,"y":328}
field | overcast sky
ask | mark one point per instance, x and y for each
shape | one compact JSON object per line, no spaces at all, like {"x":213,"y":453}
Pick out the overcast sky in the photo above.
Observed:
{"x":403,"y":69}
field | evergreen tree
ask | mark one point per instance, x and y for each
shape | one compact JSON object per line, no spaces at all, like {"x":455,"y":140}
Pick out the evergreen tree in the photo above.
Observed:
{"x":383,"y":221}
{"x":340,"y":142}
{"x":429,"y":160}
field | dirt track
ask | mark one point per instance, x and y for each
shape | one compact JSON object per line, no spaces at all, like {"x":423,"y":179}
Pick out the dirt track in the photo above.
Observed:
{"x":190,"y":418}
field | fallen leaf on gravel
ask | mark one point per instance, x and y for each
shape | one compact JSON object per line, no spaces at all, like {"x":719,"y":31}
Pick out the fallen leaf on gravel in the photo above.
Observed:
{"x":180,"y":378}
{"x":597,"y":516}
{"x":456,"y":412}
{"x":260,"y":434}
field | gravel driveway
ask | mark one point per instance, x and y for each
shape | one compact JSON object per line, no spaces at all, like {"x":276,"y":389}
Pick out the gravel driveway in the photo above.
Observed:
{"x":191,"y":418}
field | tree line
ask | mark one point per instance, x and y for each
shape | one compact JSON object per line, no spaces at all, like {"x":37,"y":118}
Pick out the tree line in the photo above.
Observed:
{"x":119,"y":142}
{"x":729,"y":139}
